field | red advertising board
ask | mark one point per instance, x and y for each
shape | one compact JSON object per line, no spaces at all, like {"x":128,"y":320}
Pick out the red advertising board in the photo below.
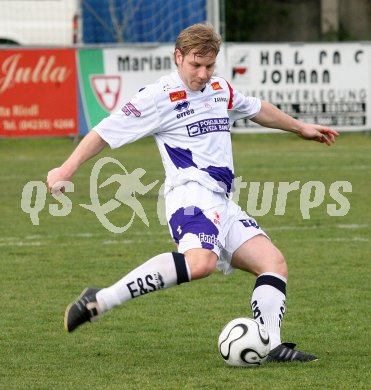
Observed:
{"x":38,"y":92}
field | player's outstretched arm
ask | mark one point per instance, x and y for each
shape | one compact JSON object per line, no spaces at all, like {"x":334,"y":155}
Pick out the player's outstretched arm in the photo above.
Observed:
{"x":90,"y":146}
{"x":271,"y":116}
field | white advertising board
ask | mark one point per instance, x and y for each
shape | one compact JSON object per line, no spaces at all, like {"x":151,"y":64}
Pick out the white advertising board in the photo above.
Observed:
{"x":321,"y":83}
{"x":325,"y":83}
{"x":137,"y":66}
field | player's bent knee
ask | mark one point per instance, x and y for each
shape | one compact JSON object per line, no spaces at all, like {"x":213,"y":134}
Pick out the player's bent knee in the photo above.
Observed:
{"x":259,"y":255}
{"x":201,"y":262}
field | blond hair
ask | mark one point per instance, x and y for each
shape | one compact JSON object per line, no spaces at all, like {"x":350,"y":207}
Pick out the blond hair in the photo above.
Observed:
{"x":202,"y":38}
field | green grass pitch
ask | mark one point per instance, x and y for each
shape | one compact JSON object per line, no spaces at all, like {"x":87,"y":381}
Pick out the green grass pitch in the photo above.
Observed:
{"x":168,"y":339}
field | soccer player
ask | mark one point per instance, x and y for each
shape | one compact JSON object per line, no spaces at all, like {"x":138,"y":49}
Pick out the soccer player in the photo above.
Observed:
{"x":189,"y":113}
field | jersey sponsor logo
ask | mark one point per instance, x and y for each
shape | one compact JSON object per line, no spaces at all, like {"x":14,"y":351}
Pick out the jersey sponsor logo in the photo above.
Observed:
{"x":220,"y":99}
{"x":208,"y":126}
{"x":183,"y":109}
{"x":178,"y":95}
{"x":182,"y":106}
{"x":129,"y":108}
{"x":185,"y":113}
{"x":216,"y":86}
{"x":209,"y":239}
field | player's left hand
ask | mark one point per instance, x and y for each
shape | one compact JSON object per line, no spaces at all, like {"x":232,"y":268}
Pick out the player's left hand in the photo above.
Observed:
{"x":322,"y":134}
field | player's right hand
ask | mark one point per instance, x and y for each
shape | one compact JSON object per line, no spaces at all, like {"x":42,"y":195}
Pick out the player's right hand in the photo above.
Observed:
{"x":55,"y":179}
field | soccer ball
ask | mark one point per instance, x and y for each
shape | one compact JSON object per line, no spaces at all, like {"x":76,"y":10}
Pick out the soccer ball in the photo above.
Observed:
{"x":244,"y":342}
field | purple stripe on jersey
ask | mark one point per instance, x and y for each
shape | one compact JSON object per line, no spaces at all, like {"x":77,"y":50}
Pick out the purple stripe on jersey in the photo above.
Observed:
{"x":182,"y":158}
{"x":223,"y":175}
{"x":193,"y":220}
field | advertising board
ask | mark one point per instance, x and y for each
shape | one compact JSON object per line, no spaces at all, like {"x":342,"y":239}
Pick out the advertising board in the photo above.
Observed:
{"x":38,"y":92}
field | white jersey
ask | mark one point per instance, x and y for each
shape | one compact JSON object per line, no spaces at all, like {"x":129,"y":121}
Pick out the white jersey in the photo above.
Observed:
{"x":191,"y":128}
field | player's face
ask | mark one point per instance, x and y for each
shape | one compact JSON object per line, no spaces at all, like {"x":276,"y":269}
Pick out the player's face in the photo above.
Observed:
{"x":195,"y":70}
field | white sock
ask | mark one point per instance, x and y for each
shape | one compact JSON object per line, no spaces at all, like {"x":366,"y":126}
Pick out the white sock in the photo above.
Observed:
{"x":268,"y":304}
{"x":162,"y":271}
